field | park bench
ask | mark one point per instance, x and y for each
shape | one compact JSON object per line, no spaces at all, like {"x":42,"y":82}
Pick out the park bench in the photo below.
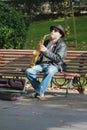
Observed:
{"x":11,"y":59}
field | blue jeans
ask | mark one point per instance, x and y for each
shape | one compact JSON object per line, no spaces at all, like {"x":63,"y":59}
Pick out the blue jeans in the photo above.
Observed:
{"x":49,"y":71}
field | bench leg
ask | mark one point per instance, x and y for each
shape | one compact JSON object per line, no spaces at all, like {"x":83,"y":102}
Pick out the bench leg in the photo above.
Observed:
{"x":68,"y":86}
{"x":79,"y":83}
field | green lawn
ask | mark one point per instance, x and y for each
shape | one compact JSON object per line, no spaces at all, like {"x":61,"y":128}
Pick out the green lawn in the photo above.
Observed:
{"x":38,"y":29}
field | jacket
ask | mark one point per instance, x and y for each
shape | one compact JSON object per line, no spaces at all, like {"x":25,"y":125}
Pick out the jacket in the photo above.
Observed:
{"x":56,"y":55}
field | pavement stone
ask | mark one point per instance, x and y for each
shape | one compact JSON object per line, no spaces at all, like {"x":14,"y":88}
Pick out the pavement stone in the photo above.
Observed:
{"x":56,"y":113}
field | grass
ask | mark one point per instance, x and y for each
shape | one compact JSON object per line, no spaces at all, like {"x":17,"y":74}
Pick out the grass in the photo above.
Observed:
{"x":38,"y":29}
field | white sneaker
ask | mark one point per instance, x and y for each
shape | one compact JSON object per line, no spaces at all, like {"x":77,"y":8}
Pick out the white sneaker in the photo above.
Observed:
{"x":36,"y":95}
{"x":33,"y":95}
{"x":41,"y":97}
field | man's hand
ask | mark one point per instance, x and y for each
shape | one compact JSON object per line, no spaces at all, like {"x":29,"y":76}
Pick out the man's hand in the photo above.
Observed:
{"x":42,"y":48}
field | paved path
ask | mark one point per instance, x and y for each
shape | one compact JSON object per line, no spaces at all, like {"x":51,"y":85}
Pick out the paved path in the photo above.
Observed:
{"x":56,"y":113}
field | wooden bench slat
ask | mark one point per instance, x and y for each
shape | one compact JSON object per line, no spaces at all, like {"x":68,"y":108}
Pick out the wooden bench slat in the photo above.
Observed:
{"x":11,"y":59}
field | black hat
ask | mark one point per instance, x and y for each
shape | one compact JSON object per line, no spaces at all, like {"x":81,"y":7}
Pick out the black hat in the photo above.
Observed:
{"x":59,"y":27}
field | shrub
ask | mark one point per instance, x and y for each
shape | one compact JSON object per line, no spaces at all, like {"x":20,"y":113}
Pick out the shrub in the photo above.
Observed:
{"x":12,"y":28}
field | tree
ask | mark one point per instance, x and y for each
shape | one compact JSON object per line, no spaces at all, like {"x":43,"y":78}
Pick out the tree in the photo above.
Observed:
{"x":12,"y":28}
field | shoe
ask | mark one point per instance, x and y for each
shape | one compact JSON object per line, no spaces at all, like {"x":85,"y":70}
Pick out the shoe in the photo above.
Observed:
{"x":41,"y":97}
{"x":36,"y":95}
{"x":33,"y":95}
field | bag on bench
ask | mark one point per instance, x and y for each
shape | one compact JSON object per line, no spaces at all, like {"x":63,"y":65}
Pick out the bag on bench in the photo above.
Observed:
{"x":11,"y":88}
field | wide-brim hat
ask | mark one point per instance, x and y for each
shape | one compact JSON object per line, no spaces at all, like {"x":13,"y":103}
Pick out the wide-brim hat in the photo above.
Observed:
{"x":59,"y":27}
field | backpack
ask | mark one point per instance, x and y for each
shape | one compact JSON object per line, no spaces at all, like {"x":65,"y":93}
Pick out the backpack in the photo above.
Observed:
{"x":11,"y":88}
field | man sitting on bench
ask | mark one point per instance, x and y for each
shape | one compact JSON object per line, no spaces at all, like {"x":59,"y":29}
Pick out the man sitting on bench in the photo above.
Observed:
{"x":51,"y":60}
